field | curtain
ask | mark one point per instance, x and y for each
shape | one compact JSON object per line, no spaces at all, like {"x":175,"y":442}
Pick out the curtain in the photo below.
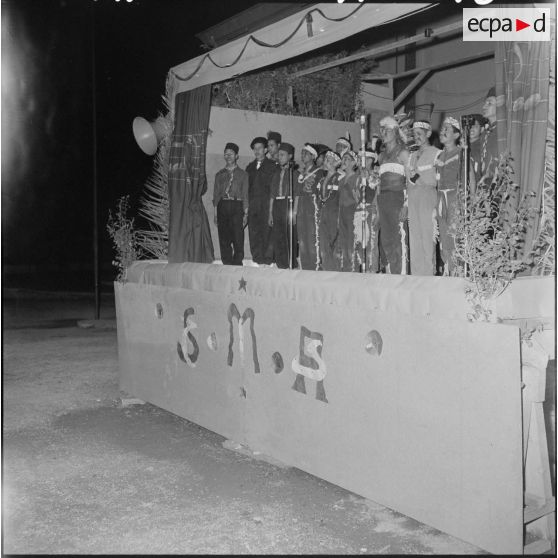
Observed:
{"x":522,"y":83}
{"x":189,"y":234}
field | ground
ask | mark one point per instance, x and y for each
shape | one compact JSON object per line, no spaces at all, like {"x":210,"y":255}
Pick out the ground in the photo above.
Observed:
{"x":83,"y":472}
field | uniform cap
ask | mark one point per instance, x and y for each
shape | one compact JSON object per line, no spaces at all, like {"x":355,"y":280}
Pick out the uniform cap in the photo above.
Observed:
{"x":232,"y":146}
{"x":259,"y":139}
{"x":287,"y":148}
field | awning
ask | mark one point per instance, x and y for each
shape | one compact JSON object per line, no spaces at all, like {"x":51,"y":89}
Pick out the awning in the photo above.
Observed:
{"x":330,"y":23}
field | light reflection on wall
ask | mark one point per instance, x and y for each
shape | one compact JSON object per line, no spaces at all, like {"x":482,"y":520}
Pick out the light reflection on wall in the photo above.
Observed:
{"x":18,"y":101}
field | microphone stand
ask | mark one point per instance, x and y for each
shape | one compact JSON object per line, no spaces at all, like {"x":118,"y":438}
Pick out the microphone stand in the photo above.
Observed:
{"x":290,"y":215}
{"x":363,"y":191}
{"x":464,"y":171}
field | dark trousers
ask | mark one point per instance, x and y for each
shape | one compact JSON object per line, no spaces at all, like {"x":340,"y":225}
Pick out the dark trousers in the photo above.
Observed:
{"x":259,"y":229}
{"x":389,"y":208}
{"x":280,"y":235}
{"x":231,"y":233}
{"x":328,"y":231}
{"x":347,"y":236}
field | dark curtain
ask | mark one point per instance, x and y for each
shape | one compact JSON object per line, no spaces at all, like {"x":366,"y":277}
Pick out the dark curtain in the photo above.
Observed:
{"x":522,"y":84}
{"x":189,"y":235}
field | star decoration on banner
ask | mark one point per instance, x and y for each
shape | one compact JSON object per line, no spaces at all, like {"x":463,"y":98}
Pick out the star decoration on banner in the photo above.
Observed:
{"x":242,"y":284}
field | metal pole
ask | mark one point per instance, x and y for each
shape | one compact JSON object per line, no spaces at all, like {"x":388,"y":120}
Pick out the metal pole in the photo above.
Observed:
{"x":464,"y":171}
{"x":467,"y":154}
{"x":95,"y":197}
{"x":363,"y":190}
{"x":290,"y":216}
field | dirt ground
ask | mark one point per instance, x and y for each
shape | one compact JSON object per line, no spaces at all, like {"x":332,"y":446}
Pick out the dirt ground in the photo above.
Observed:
{"x":83,"y":473}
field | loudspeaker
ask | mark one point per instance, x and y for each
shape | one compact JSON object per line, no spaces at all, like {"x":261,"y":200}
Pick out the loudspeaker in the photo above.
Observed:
{"x":148,"y":134}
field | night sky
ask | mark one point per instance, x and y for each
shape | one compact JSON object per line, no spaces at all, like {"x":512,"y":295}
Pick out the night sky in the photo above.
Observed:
{"x":47,"y":114}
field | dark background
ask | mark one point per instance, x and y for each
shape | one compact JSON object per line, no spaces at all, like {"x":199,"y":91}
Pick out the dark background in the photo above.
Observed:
{"x":49,"y":50}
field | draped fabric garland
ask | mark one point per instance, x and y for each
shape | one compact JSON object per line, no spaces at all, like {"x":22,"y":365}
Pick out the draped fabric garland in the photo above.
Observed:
{"x":189,"y":234}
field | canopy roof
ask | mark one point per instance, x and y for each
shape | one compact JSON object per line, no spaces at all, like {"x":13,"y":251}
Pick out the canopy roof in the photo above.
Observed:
{"x":308,"y":29}
{"x":249,"y":21}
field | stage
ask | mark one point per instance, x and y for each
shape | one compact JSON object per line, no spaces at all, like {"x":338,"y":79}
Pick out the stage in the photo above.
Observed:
{"x":376,"y":383}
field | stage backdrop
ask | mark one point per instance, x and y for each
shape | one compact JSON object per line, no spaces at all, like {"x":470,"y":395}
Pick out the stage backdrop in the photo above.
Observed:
{"x":241,"y":127}
{"x":378,"y":384}
{"x":455,"y":91}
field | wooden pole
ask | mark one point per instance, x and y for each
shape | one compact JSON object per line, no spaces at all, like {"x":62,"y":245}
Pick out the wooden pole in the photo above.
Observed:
{"x":431,"y":67}
{"x":95,"y":192}
{"x":409,"y":89}
{"x":452,"y":28}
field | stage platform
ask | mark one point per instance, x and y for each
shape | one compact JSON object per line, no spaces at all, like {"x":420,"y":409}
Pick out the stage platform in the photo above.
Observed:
{"x":377,"y":383}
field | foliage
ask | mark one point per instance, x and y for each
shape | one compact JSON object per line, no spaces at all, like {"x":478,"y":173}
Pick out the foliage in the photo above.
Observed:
{"x":333,"y":93}
{"x":489,"y":237}
{"x":124,"y":238}
{"x":154,"y":204}
{"x":544,"y":245}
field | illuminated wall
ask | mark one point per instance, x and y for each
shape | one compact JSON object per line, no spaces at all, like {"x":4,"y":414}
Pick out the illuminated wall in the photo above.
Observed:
{"x":241,"y":127}
{"x":376,"y":383}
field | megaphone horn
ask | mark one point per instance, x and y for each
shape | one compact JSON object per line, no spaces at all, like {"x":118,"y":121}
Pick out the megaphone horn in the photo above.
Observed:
{"x":148,"y":134}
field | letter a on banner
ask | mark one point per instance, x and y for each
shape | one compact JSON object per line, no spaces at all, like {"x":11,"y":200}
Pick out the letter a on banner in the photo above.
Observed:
{"x":309,"y":363}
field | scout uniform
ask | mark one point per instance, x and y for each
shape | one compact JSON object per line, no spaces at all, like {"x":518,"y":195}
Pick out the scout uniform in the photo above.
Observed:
{"x":260,"y":174}
{"x":283,"y":179}
{"x":230,"y":197}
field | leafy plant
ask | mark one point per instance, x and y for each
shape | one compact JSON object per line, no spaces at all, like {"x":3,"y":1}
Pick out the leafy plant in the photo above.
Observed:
{"x":124,"y":238}
{"x":333,"y":93}
{"x":544,"y":245}
{"x":154,"y":204}
{"x":489,"y":234}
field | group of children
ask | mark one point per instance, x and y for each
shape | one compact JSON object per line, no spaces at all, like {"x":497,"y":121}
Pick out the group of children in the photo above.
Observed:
{"x":381,"y":210}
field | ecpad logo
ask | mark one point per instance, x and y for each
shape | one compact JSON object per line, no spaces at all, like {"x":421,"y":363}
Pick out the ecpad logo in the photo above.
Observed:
{"x":506,"y":24}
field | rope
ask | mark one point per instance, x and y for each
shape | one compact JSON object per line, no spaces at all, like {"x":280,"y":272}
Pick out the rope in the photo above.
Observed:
{"x":262,"y":43}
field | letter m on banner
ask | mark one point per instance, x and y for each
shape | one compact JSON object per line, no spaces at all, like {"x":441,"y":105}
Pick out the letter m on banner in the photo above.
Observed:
{"x":233,"y":314}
